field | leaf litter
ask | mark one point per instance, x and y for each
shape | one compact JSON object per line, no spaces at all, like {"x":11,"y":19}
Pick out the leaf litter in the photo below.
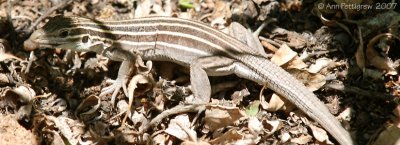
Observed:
{"x":346,"y":57}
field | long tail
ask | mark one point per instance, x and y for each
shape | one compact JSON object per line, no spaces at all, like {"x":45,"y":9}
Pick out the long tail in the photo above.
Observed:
{"x":293,"y":90}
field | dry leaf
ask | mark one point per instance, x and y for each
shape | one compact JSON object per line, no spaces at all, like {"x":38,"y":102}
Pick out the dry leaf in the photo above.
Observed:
{"x":311,"y":81}
{"x":379,"y":61}
{"x":289,"y":38}
{"x":375,"y":58}
{"x":346,"y":114}
{"x":143,"y":8}
{"x":195,"y":143}
{"x":107,"y":12}
{"x":269,"y":46}
{"x":255,"y":126}
{"x":389,"y":136}
{"x":217,"y":116}
{"x":221,"y":12}
{"x":275,"y":126}
{"x":303,"y":139}
{"x":4,"y":79}
{"x":5,"y":56}
{"x":296,"y":63}
{"x":283,"y":55}
{"x":88,"y":106}
{"x":285,"y":137}
{"x":122,"y":106}
{"x":218,"y":23}
{"x":70,"y":129}
{"x":21,"y":98}
{"x":320,"y":63}
{"x":320,"y":134}
{"x":185,"y":15}
{"x":274,"y":104}
{"x":238,"y":95}
{"x":160,"y":139}
{"x":230,"y":136}
{"x":298,"y":117}
{"x":139,"y":118}
{"x":21,"y":94}
{"x":158,"y":9}
{"x":180,"y":128}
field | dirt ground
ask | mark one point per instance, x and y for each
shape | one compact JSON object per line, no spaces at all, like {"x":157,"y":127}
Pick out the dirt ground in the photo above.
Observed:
{"x":344,"y":51}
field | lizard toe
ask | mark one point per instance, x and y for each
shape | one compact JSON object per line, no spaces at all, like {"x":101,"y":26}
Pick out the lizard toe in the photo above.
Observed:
{"x":114,"y":88}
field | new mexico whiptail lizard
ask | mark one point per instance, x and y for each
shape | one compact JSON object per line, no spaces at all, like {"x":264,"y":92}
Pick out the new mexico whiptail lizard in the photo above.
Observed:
{"x":206,"y":51}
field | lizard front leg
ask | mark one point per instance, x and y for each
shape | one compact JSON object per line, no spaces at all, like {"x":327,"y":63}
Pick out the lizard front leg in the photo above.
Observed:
{"x":120,"y":82}
{"x":129,"y":60}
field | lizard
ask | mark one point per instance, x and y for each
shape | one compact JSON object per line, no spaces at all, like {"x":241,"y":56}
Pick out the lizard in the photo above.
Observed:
{"x":203,"y":49}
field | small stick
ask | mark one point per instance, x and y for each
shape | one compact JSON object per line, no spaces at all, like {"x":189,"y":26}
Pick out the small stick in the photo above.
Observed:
{"x":176,"y":110}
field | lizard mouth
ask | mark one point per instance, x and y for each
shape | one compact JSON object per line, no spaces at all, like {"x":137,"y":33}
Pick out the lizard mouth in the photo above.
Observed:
{"x":30,"y":45}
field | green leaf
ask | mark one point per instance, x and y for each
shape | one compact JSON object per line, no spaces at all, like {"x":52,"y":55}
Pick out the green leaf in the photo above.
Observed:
{"x":253,"y":108}
{"x":186,"y":3}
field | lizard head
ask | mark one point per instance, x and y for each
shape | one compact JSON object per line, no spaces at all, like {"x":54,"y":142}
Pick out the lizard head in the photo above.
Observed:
{"x":62,"y":32}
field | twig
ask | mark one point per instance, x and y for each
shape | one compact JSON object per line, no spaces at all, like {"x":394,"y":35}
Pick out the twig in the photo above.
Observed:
{"x":176,"y":110}
{"x":263,"y":25}
{"x":307,"y":56}
{"x":270,"y":41}
{"x":204,"y":16}
{"x":48,"y":12}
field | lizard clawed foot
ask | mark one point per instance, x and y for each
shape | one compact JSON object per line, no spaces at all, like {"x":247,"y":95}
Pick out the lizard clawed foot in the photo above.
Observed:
{"x":114,"y":88}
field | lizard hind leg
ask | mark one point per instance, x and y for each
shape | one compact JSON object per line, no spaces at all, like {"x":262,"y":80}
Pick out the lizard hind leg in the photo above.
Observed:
{"x":201,"y":68}
{"x":201,"y":87}
{"x":239,"y":32}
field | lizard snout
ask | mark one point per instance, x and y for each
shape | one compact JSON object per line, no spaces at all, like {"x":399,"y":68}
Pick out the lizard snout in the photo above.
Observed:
{"x":33,"y":42}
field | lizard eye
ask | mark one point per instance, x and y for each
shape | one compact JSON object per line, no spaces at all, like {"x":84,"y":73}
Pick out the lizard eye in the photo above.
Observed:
{"x":63,"y":34}
{"x":85,"y":39}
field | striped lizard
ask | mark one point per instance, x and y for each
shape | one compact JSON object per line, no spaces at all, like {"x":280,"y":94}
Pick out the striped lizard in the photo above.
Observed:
{"x":203,"y":49}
